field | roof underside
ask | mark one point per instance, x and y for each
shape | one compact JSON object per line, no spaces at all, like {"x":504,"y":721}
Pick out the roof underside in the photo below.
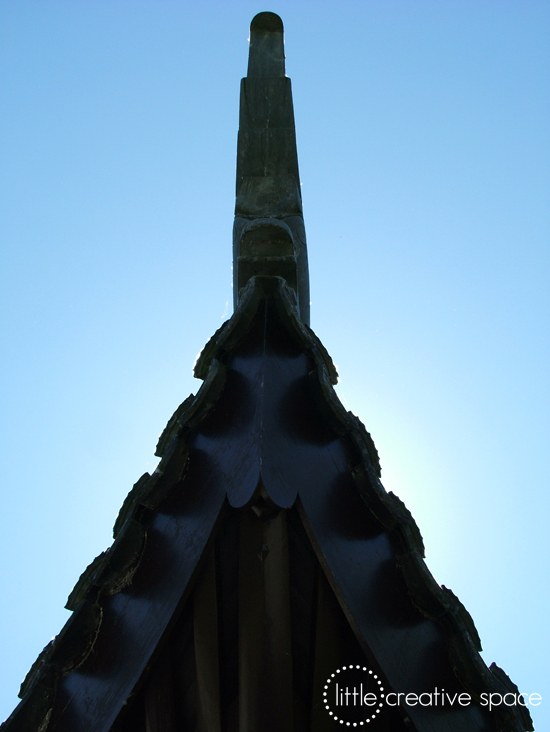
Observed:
{"x":261,"y":555}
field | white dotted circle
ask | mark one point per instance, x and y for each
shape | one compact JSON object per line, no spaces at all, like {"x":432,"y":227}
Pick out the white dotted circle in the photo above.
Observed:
{"x":325,"y":695}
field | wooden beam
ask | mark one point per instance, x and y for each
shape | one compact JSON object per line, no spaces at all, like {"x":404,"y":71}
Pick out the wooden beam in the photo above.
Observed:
{"x":327,"y":651}
{"x":159,"y":696}
{"x":265,"y":657}
{"x":205,"y":631}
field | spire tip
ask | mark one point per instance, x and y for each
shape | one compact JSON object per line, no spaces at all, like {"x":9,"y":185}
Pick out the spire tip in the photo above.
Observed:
{"x":266,"y":23}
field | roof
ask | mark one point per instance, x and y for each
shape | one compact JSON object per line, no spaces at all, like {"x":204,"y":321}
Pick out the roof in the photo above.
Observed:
{"x":264,"y":551}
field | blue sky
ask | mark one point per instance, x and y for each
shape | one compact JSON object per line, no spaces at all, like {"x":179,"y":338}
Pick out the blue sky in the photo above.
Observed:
{"x":424,"y":146}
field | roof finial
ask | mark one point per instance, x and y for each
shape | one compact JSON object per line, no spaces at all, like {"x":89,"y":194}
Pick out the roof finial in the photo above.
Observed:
{"x":269,"y":235}
{"x":266,"y":56}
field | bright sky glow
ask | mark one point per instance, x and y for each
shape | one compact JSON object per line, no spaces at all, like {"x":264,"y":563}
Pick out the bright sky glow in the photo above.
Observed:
{"x":424,"y":145}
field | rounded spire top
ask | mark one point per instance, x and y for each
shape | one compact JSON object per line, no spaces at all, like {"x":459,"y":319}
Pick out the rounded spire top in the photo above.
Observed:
{"x":266,"y":56}
{"x":266,"y":23}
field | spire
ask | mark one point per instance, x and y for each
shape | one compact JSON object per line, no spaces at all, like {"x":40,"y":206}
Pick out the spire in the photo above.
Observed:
{"x":268,"y":234}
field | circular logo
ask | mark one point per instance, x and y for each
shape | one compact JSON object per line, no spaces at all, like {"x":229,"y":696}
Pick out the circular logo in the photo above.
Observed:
{"x":353,"y":696}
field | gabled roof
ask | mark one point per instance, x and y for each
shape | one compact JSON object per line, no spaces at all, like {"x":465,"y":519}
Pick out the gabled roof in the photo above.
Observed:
{"x":263,"y":549}
{"x":293,"y":444}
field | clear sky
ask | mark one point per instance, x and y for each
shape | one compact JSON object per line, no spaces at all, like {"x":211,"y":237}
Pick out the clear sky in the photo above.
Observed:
{"x":423,"y":134}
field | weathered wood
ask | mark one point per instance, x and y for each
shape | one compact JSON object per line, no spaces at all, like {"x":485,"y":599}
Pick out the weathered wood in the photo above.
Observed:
{"x":90,"y":698}
{"x":205,"y":626}
{"x":246,"y":437}
{"x":360,"y":564}
{"x":337,"y":646}
{"x":265,"y":651}
{"x":327,"y":652}
{"x":226,"y":554}
{"x":268,"y":192}
{"x":182,"y":640}
{"x":266,"y":56}
{"x":296,"y":451}
{"x":277,"y":433}
{"x":160,"y":713}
